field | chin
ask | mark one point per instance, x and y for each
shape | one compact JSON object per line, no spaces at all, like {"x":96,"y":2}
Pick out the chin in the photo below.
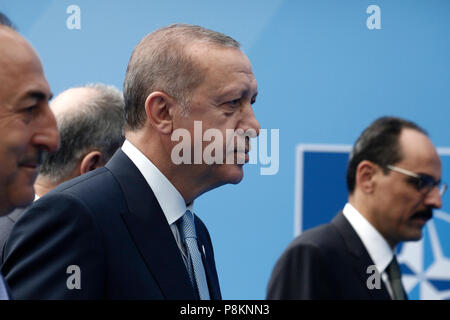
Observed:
{"x":21,"y":194}
{"x":415,"y":235}
{"x":230,"y":174}
{"x":235,"y":174}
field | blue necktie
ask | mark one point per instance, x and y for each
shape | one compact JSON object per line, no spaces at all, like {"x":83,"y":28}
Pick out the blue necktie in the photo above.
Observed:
{"x":197,"y":275}
{"x":3,"y":293}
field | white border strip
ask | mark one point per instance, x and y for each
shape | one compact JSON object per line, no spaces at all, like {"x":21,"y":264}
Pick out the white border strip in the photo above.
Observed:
{"x":300,"y":151}
{"x":443,"y":151}
{"x":298,"y":196}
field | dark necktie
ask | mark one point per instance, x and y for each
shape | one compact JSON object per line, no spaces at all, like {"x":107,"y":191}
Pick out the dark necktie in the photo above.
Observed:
{"x":395,"y":277}
{"x":195,"y":267}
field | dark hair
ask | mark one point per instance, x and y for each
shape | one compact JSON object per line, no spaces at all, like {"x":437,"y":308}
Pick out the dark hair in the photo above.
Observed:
{"x":379,"y":144}
{"x":96,"y":124}
{"x":160,"y":63}
{"x":4,"y":21}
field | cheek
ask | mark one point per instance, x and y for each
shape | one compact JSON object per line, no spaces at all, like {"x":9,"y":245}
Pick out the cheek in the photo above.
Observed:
{"x":9,"y":157}
{"x":405,"y":205}
{"x":20,"y":189}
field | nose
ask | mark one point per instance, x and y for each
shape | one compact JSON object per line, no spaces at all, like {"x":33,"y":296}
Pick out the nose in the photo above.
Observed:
{"x":249,"y":123}
{"x":46,"y":137}
{"x":434,"y":198}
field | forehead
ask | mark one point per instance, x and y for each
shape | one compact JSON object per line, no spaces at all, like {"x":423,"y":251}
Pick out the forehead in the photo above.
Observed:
{"x":21,"y":72}
{"x":419,"y":153}
{"x":225,"y":68}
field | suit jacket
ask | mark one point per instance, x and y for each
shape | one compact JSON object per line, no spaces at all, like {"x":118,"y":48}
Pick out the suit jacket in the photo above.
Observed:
{"x":6,"y":226}
{"x":109,"y":224}
{"x":328,"y":262}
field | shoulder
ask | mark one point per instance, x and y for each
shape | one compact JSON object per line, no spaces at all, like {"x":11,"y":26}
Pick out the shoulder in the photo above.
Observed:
{"x":97,"y":190}
{"x":55,"y":232}
{"x":324,"y":237}
{"x":302,"y":271}
{"x":86,"y":182}
{"x":314,"y":249}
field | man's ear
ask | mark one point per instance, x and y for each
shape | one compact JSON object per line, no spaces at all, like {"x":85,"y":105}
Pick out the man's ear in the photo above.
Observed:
{"x":365,"y":176}
{"x":159,"y":108}
{"x":91,"y":161}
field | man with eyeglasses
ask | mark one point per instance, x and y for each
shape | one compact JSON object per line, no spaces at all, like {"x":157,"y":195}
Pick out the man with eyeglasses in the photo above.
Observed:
{"x":393,"y":179}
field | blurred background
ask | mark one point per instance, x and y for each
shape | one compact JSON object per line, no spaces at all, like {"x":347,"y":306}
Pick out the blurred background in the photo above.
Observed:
{"x":325,"y":69}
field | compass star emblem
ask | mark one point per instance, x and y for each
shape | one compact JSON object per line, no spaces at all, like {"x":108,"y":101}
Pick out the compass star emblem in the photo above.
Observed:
{"x":425,"y":264}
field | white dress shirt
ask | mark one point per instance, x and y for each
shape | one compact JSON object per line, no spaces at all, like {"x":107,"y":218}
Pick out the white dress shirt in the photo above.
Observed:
{"x":379,"y":250}
{"x":168,"y":197}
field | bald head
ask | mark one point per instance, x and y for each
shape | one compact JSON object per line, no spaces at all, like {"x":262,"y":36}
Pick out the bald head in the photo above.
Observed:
{"x":16,"y":56}
{"x":15,"y":49}
{"x":90,"y":121}
{"x":73,"y":101}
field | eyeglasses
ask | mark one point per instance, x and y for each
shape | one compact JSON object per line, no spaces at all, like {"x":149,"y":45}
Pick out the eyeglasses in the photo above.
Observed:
{"x":422,"y":181}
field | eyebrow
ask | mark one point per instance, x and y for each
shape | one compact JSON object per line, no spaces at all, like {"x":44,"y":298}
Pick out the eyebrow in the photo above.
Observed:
{"x":237,"y":91}
{"x":38,"y":95}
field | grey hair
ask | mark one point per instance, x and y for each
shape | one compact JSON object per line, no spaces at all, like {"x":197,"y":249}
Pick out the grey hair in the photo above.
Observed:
{"x":96,"y":125}
{"x":160,"y":63}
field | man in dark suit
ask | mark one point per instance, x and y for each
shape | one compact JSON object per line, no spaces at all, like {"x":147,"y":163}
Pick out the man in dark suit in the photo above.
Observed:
{"x":90,"y":121}
{"x":393,"y":179}
{"x":27,"y":125}
{"x":127,"y":231}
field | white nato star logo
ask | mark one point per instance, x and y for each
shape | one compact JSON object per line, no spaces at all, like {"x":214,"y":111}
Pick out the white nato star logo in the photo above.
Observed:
{"x":425,"y":264}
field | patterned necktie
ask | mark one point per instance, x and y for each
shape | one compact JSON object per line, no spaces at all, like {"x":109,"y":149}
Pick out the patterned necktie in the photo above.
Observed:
{"x":395,"y":277}
{"x":3,"y":292}
{"x":197,"y":275}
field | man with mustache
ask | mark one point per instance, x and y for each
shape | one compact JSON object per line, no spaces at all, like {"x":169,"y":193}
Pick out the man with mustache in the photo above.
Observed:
{"x":128,"y":231}
{"x":27,"y":125}
{"x":393,"y":179}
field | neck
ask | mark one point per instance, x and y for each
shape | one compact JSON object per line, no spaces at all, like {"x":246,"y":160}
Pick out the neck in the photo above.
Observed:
{"x":42,"y":186}
{"x":363,"y":206}
{"x":158,"y":150}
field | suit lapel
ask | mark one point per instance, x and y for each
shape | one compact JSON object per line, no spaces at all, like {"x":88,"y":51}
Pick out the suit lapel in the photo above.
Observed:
{"x":360,"y":255}
{"x":208,"y":261}
{"x":150,"y":232}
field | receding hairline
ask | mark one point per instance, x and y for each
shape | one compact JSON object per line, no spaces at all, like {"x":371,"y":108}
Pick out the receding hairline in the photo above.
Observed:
{"x":184,"y":42}
{"x":11,"y":34}
{"x":72,"y":99}
{"x":17,"y":47}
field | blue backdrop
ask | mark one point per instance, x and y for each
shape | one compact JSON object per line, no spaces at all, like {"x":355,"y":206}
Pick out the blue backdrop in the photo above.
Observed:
{"x":323,"y":76}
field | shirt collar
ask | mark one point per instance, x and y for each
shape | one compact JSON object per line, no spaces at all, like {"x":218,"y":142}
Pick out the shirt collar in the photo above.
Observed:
{"x":377,"y":247}
{"x":170,"y":200}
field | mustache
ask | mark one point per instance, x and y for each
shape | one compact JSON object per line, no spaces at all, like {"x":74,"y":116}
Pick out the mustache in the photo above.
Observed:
{"x":35,"y":159}
{"x":243,"y":146}
{"x":426,"y":214}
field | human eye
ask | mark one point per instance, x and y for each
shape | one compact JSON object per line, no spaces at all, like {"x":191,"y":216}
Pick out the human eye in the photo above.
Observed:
{"x":29,"y":112}
{"x":234,"y":103}
{"x":428,"y":182}
{"x":423,"y":182}
{"x":30,"y":109}
{"x":253,"y":100}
